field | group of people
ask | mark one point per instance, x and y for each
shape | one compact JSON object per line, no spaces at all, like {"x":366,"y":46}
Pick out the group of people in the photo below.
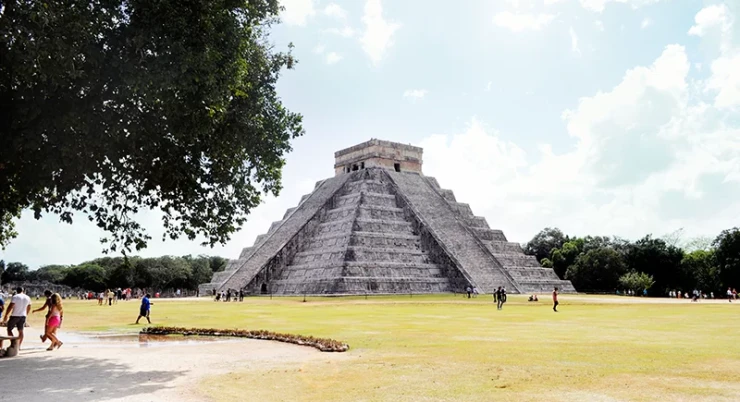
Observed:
{"x":227,"y":295}
{"x":20,"y":307}
{"x":499,"y":296}
{"x":696,"y":294}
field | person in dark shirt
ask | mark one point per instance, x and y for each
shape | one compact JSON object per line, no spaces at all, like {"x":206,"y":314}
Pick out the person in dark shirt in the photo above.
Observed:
{"x":145,"y":308}
{"x":555,"y":300}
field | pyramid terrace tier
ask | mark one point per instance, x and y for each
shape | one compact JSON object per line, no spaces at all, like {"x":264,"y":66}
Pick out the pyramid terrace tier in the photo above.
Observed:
{"x":363,"y":285}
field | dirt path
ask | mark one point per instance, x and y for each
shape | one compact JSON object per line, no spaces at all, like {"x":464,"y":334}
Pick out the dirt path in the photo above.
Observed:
{"x":125,"y":371}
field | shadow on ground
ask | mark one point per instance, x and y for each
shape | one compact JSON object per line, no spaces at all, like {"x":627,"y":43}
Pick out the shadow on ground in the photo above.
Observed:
{"x":35,"y":377}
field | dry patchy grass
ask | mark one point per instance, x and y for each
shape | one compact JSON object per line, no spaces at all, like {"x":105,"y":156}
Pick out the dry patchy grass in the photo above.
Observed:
{"x":434,"y":348}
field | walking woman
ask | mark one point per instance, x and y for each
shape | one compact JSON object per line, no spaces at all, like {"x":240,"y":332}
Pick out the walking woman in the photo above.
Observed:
{"x":56,"y":315}
{"x":47,"y":307}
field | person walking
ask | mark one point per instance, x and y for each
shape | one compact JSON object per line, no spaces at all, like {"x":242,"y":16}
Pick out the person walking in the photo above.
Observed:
{"x":555,"y":300}
{"x":47,"y":306}
{"x":18,"y":309}
{"x":56,"y":315}
{"x":145,"y":308}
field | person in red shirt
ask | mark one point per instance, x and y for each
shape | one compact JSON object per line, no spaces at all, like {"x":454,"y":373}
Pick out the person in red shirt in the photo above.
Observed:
{"x":555,"y":300}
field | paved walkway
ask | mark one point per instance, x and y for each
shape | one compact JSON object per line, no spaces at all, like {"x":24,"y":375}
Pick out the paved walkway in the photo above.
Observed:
{"x":126,"y":370}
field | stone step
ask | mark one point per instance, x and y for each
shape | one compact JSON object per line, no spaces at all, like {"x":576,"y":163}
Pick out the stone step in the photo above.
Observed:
{"x":382,"y":226}
{"x":367,"y":185}
{"x":340,"y":239}
{"x":246,"y":252}
{"x":503,"y":246}
{"x":368,"y":198}
{"x":386,"y":254}
{"x":477,"y":222}
{"x":274,"y":226}
{"x":448,"y":195}
{"x":488,"y":234}
{"x":376,"y":239}
{"x":333,"y":255}
{"x":365,"y":264}
{"x":517,"y":260}
{"x":544,"y":287}
{"x":528,"y":273}
{"x":341,"y":213}
{"x":288,"y":212}
{"x":335,"y":227}
{"x":363,"y":285}
{"x":385,"y":213}
{"x":462,"y":209}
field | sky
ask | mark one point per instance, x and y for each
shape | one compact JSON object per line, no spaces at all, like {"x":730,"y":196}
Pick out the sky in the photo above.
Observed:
{"x":600,"y":117}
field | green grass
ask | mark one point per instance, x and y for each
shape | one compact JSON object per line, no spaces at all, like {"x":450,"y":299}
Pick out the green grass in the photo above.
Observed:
{"x":450,"y":348}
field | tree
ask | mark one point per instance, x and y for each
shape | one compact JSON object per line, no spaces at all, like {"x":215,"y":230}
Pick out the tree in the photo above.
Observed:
{"x":700,"y":267}
{"x":654,"y":257}
{"x":121,"y":276}
{"x":200,"y":272}
{"x":727,"y":256}
{"x":108,"y":107}
{"x":217,"y":263}
{"x":697,"y":243}
{"x":598,"y":269}
{"x":50,"y":273}
{"x":86,"y":276}
{"x":636,"y":281}
{"x":564,"y":257}
{"x":14,"y":272}
{"x":544,"y":242}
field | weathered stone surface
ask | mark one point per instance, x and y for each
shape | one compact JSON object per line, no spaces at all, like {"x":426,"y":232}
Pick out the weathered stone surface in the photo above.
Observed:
{"x":380,"y":226}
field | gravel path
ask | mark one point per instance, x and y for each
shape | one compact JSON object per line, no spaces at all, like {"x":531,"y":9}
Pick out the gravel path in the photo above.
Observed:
{"x":117,"y":371}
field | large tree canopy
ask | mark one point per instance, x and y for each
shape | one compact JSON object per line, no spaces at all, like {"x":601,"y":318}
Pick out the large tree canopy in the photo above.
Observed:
{"x":108,"y":107}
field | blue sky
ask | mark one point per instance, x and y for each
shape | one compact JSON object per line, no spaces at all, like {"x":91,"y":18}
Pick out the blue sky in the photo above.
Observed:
{"x":608,"y":117}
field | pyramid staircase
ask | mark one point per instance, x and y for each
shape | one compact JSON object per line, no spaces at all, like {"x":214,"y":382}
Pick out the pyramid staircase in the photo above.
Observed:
{"x":365,"y":243}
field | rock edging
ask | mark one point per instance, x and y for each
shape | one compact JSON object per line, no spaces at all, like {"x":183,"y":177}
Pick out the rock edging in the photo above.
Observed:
{"x":322,"y":344}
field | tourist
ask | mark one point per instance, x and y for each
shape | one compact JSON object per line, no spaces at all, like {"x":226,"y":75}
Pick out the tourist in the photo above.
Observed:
{"x":2,"y":305}
{"x":475,"y":291}
{"x":101,"y":296}
{"x":729,"y":294}
{"x":109,"y":294}
{"x":241,"y":295}
{"x":56,"y":315}
{"x":501,"y":298}
{"x":145,"y":308}
{"x":555,"y":300}
{"x":47,"y":306}
{"x":18,"y":309}
{"x":495,"y":294}
{"x":468,"y":290}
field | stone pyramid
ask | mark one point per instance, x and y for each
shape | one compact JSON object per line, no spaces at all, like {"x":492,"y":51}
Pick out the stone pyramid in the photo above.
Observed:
{"x":380,"y":226}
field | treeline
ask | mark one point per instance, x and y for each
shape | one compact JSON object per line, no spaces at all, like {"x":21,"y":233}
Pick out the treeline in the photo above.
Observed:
{"x":608,"y":264}
{"x":113,"y":272}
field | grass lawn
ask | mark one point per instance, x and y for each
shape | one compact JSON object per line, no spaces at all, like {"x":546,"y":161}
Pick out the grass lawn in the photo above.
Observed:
{"x":445,"y":347}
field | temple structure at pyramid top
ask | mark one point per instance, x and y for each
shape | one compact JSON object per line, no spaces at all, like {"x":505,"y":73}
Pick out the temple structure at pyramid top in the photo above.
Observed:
{"x":380,"y":226}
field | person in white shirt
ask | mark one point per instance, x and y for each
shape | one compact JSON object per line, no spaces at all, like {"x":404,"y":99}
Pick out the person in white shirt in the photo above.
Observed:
{"x":20,"y":306}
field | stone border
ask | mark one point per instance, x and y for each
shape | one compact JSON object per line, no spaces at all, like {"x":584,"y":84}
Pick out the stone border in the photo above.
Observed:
{"x":322,"y":344}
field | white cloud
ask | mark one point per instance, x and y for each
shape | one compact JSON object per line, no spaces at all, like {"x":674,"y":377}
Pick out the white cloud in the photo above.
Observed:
{"x":319,"y":49}
{"x":378,"y":35}
{"x":650,"y":155}
{"x":551,"y":2}
{"x":333,"y":58}
{"x":346,"y":31}
{"x":599,"y":5}
{"x":335,"y":10}
{"x":599,"y":25}
{"x":518,"y":22}
{"x":714,"y":25}
{"x":574,"y":41}
{"x":488,"y":86}
{"x":297,"y":12}
{"x":415,"y":94}
{"x":710,"y":17}
{"x":646,"y":22}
